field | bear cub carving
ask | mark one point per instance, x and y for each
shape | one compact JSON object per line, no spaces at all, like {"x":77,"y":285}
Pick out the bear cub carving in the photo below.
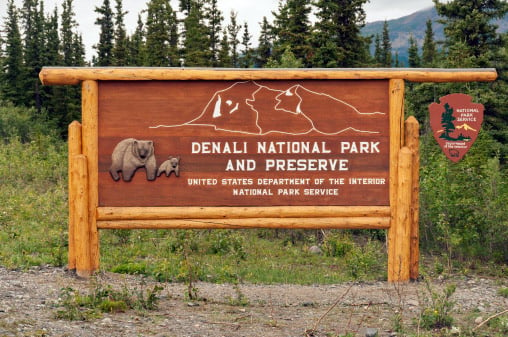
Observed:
{"x":131,"y":154}
{"x":170,"y":165}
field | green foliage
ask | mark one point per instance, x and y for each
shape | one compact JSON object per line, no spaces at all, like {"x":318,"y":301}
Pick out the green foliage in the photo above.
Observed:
{"x":437,"y":313}
{"x":462,"y":205}
{"x":104,"y":299}
{"x":503,"y":292}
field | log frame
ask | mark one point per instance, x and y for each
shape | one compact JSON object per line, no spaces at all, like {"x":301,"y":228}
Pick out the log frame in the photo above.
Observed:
{"x":400,"y":218}
{"x":74,"y":75}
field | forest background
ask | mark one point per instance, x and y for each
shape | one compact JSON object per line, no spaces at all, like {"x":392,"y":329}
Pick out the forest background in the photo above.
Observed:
{"x":464,"y":214}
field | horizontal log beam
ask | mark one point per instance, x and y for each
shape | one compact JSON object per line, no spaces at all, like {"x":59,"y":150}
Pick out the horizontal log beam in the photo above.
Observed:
{"x":174,"y":213}
{"x":74,"y":75}
{"x":293,"y":223}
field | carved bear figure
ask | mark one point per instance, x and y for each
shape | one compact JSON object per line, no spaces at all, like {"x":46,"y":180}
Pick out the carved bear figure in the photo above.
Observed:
{"x":131,"y":154}
{"x":170,"y":165}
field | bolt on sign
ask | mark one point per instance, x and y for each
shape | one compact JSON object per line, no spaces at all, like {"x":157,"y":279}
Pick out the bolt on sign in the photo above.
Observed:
{"x":222,"y":148}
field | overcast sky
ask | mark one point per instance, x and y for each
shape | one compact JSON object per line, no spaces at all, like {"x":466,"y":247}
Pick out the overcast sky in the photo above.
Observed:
{"x":248,"y":10}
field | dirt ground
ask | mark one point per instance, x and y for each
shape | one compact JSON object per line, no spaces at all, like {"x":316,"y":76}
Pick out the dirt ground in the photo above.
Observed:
{"x":29,"y":301}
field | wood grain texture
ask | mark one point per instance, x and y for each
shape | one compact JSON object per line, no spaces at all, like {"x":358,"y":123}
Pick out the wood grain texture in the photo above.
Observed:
{"x":72,"y":75}
{"x":185,"y":109}
{"x":412,"y":135}
{"x":162,"y":213}
{"x":74,"y":148}
{"x":90,"y":112}
{"x":396,"y":135}
{"x":401,"y":225}
{"x":288,"y":223}
{"x":80,"y":215}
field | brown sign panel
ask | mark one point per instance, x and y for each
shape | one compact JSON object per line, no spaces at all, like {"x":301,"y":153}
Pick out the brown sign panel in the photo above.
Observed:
{"x":243,"y":143}
{"x":456,"y":122}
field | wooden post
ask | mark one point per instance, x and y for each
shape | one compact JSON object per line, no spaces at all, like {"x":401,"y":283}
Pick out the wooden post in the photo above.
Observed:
{"x":412,"y":136}
{"x":396,"y":132}
{"x":401,"y":224}
{"x":74,"y":148}
{"x":79,"y":190}
{"x":90,"y":109}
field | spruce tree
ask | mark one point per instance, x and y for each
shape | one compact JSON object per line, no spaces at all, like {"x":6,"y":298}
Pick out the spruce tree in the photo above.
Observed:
{"x":106,"y":37}
{"x":120,"y":48}
{"x":160,"y":23}
{"x":337,"y":41}
{"x":196,"y":43}
{"x":69,"y":108}
{"x":214,"y":17}
{"x":224,"y":57}
{"x":233,"y":31}
{"x":378,"y":51}
{"x":247,"y":50}
{"x":472,"y":41}
{"x":292,"y":29}
{"x":264,"y":50}
{"x":386,"y":47}
{"x":11,"y":82}
{"x":429,"y":51}
{"x":471,"y":23}
{"x":413,"y":56}
{"x":32,"y":15}
{"x":137,"y":45}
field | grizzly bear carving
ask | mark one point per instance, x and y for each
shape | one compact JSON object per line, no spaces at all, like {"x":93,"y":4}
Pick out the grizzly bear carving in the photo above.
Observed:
{"x":131,"y":154}
{"x":170,"y":165}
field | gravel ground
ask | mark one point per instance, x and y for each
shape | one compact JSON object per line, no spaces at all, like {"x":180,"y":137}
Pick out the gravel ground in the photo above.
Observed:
{"x":29,"y":301}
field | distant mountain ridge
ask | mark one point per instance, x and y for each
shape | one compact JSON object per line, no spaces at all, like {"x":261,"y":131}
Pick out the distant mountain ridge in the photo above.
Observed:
{"x":400,"y":29}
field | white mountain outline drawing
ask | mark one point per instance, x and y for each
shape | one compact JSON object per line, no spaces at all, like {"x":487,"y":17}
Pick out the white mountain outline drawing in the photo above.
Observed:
{"x":289,"y":92}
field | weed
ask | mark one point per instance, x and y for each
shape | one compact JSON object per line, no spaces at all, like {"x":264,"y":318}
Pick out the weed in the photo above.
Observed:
{"x":503,"y":292}
{"x":240,"y":299}
{"x":104,"y":299}
{"x":437,"y":314}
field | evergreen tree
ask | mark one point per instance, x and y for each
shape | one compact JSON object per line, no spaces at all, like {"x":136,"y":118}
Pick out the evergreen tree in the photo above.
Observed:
{"x":247,"y":50}
{"x":264,"y":49}
{"x":137,"y":51}
{"x":233,"y":31}
{"x":69,"y":104}
{"x":414,"y":57}
{"x":120,"y":48}
{"x":32,"y":15}
{"x":214,"y":17}
{"x":160,"y":27}
{"x":337,"y":41}
{"x":287,"y":60}
{"x":196,"y":39}
{"x":106,"y":37}
{"x":12,"y":65}
{"x":224,"y":57}
{"x":429,"y":51}
{"x":386,"y":47}
{"x":292,"y":29}
{"x":470,"y":22}
{"x":472,"y":41}
{"x":378,"y":51}
{"x":52,"y":57}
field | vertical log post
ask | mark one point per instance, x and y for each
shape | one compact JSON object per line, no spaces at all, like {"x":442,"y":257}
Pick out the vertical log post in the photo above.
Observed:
{"x":412,"y":136}
{"x":401,"y":226}
{"x":79,"y":191}
{"x":396,"y":96}
{"x":74,"y":148}
{"x":90,"y":109}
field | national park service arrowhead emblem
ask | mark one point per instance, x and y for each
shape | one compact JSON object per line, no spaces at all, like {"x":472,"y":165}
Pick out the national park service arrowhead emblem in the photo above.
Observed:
{"x":455,"y":123}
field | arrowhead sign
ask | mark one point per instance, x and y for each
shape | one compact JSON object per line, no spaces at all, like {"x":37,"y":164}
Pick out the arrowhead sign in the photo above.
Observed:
{"x":455,"y":123}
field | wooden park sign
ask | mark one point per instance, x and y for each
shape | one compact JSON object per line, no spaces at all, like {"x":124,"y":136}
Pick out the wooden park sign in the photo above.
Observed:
{"x":228,"y":148}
